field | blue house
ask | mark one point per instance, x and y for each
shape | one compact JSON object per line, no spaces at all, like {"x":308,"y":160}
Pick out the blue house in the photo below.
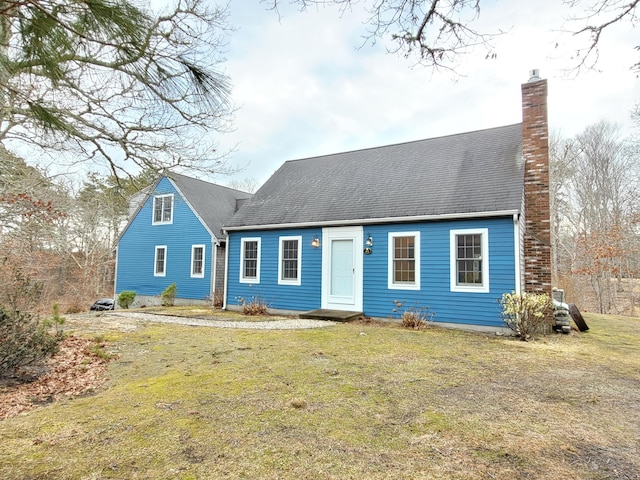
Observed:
{"x":175,"y":236}
{"x":450,"y":223}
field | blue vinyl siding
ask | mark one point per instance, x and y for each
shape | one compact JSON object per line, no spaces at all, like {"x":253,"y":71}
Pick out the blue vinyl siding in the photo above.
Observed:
{"x":435,"y":287}
{"x":435,"y":292}
{"x":305,"y":296}
{"x":136,"y":250}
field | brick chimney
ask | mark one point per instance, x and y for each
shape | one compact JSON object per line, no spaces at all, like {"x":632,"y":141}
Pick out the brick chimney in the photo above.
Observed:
{"x":537,"y":215}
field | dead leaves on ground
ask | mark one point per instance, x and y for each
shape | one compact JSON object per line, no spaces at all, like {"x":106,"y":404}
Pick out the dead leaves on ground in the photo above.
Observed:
{"x":78,"y":368}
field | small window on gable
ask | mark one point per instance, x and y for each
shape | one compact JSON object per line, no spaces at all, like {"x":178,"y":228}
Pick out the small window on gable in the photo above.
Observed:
{"x":250,"y":260}
{"x":469,"y":252}
{"x":404,"y":261}
{"x":289,"y":261}
{"x":197,"y":261}
{"x":160,"y":261}
{"x":163,"y":209}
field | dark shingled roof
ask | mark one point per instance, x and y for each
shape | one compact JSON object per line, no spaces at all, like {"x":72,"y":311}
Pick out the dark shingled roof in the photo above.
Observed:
{"x":214,"y":204}
{"x":474,"y":172}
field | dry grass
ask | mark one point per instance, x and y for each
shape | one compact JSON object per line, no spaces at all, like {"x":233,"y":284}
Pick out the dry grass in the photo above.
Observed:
{"x":350,"y":401}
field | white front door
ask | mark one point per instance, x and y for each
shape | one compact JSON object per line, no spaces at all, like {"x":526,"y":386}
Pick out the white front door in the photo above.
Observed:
{"x":342,"y":268}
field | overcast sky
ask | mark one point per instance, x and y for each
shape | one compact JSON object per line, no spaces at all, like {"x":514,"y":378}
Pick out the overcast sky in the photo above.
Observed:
{"x":303,"y":87}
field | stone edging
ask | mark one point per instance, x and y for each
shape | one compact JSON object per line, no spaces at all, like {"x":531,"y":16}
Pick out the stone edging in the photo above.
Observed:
{"x":282,"y":324}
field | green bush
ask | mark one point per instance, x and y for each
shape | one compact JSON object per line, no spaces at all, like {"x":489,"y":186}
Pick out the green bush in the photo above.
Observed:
{"x":527,"y":314}
{"x":125,"y":299}
{"x":56,"y":320}
{"x":24,"y":339}
{"x":169,"y":295}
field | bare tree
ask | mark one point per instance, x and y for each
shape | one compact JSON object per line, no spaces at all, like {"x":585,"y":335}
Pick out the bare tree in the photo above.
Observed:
{"x":437,"y":32}
{"x":563,"y":155}
{"x":56,"y":237}
{"x":604,"y":186}
{"x":28,"y":200}
{"x":112,"y":84}
{"x":249,"y":185}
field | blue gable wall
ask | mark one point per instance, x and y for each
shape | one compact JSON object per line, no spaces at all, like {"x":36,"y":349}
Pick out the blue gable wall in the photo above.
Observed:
{"x":136,"y":250}
{"x":435,"y":292}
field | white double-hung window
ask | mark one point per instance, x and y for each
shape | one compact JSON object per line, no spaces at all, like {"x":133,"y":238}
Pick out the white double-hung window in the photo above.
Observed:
{"x":197,"y":261}
{"x":404,"y":261}
{"x":163,"y":209}
{"x":289,"y":260}
{"x":160,"y":261}
{"x":250,"y":260}
{"x":469,"y":252}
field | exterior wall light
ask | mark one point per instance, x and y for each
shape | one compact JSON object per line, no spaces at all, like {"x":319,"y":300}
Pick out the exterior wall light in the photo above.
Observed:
{"x":368,"y":245}
{"x":369,"y":242}
{"x":315,"y":243}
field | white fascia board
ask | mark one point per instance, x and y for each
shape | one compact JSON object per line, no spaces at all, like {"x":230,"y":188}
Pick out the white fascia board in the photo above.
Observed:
{"x":372,"y":221}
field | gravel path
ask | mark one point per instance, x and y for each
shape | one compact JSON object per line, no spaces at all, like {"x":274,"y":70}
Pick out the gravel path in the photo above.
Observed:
{"x":274,"y":324}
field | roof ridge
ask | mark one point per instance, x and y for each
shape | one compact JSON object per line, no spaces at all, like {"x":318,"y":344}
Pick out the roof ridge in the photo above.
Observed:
{"x":212,"y":184}
{"x":408,"y":142}
{"x":469,"y":172}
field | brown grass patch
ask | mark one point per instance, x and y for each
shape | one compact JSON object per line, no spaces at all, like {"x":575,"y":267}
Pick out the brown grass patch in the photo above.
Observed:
{"x":333,"y":403}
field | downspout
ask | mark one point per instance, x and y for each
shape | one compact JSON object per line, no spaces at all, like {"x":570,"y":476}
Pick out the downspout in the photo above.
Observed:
{"x":214,"y":270}
{"x":226,"y":269}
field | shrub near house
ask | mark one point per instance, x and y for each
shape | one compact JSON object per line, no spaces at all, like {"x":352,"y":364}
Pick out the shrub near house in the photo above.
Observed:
{"x":125,"y":298}
{"x":169,"y":295}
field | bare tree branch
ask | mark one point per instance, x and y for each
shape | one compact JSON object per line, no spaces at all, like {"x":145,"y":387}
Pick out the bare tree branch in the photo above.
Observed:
{"x":597,"y":18}
{"x":435,"y":33}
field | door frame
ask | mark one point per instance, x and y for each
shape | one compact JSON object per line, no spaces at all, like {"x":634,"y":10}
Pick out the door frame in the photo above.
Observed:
{"x":354,"y":233}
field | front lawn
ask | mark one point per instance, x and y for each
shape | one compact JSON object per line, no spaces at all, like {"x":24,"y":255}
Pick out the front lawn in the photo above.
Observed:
{"x":348,"y":401}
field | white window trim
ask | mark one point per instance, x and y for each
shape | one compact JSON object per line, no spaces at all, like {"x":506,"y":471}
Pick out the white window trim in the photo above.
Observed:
{"x":453,"y":248}
{"x":255,"y":279}
{"x":153,"y":211}
{"x":282,"y":281}
{"x":204,"y":253}
{"x":155,"y":261}
{"x":403,"y":286}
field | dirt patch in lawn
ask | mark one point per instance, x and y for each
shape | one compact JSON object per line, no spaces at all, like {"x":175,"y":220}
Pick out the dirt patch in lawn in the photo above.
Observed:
{"x":78,"y":368}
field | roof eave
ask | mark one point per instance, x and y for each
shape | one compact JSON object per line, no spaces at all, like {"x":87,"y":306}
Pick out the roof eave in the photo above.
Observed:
{"x":214,"y":238}
{"x":371,"y":221}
